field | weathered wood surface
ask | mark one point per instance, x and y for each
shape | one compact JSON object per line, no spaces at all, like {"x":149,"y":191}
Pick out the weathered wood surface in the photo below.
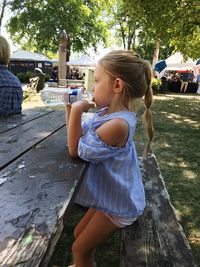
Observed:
{"x":22,"y":138}
{"x":156,"y":239}
{"x":35,"y":196}
{"x":12,"y":121}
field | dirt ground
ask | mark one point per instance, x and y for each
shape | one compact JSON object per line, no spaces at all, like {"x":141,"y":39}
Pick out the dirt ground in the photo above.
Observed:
{"x":34,"y":101}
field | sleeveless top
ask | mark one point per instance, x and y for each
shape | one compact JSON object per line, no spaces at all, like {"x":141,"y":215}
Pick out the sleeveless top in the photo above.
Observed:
{"x":113,"y":181}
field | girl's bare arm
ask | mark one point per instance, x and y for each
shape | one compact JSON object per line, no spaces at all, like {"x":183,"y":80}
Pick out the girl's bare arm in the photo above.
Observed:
{"x":74,"y":129}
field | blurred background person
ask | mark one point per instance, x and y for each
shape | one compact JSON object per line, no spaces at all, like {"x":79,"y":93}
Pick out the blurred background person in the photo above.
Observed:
{"x":11,"y":94}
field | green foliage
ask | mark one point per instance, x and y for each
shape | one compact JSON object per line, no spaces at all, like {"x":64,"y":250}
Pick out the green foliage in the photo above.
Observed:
{"x":24,"y":76}
{"x":37,"y":25}
{"x":173,"y":25}
{"x":47,"y":77}
{"x":187,"y":30}
{"x":155,"y":84}
{"x":124,"y":21}
{"x":140,"y":25}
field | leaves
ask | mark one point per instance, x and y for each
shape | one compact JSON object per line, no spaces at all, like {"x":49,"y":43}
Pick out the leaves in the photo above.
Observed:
{"x":174,"y":24}
{"x":37,"y":25}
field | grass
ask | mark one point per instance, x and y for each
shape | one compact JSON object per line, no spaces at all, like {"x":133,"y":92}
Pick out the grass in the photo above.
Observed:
{"x":177,"y":147}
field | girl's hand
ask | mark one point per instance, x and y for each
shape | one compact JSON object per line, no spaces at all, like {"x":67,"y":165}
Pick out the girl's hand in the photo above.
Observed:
{"x":82,"y":106}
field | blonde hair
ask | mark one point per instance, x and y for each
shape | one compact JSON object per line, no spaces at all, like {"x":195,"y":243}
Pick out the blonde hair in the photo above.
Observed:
{"x":136,"y":74}
{"x":4,"y":51}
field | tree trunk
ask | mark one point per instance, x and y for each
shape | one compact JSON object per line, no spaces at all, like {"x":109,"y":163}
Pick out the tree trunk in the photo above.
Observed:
{"x":123,"y":35}
{"x":156,"y":52}
{"x":131,"y":40}
{"x":2,"y":12}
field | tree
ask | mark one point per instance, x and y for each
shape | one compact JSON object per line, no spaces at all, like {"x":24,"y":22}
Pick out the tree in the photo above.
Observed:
{"x":136,"y":25}
{"x":169,"y":24}
{"x":37,"y":25}
{"x":124,"y":22}
{"x":3,"y":5}
{"x":155,"y":20}
{"x":186,"y":31}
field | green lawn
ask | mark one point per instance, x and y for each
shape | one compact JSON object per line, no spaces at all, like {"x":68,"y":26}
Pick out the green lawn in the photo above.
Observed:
{"x":177,"y":147}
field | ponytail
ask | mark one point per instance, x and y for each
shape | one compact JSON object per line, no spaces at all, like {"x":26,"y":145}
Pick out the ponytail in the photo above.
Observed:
{"x":148,"y":100}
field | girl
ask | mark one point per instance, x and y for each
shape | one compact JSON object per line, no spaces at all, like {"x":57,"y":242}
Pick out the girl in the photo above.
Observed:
{"x":113,"y":188}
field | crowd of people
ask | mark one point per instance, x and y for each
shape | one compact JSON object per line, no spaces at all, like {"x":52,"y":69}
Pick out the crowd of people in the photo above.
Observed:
{"x":184,"y":78}
{"x":73,"y":73}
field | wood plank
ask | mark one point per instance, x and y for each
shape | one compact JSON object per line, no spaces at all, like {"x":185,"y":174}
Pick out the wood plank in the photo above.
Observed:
{"x":12,"y":121}
{"x":20,"y":139}
{"x":35,"y":200}
{"x":156,"y":239}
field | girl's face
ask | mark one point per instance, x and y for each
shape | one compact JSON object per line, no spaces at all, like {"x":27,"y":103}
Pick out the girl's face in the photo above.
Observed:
{"x":103,"y":87}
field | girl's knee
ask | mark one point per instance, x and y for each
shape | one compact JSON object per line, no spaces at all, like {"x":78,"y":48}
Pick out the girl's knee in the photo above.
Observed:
{"x":77,"y":231}
{"x":76,"y":249}
{"x":79,"y":250}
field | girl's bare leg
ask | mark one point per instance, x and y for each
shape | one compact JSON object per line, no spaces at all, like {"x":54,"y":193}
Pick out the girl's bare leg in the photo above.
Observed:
{"x":98,"y":229}
{"x":83,"y":222}
{"x":81,"y":225}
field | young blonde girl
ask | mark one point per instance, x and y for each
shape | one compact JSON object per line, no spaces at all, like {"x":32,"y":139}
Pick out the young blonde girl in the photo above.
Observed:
{"x":112,"y":188}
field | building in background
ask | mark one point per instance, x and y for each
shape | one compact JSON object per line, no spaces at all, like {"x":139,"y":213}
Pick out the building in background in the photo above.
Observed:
{"x":24,"y":61}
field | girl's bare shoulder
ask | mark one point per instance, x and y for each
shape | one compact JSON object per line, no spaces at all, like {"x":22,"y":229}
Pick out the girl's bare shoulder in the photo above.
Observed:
{"x":114,"y":132}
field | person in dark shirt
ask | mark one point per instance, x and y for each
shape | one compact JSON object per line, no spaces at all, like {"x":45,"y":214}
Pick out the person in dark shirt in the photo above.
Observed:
{"x":11,"y":94}
{"x":184,"y":81}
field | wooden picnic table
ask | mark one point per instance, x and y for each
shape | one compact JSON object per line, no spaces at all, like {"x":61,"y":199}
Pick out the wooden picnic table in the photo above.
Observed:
{"x":38,"y":182}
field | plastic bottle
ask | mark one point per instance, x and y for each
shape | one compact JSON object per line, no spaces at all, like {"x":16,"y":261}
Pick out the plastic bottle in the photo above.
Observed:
{"x":54,"y":96}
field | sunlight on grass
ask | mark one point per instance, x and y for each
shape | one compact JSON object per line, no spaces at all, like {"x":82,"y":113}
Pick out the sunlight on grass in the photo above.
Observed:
{"x":185,"y":211}
{"x":194,"y":237}
{"x":179,"y":119}
{"x":190,"y":174}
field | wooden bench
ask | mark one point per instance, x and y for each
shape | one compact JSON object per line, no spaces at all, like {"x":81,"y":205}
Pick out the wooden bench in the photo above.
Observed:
{"x":38,"y":183}
{"x":31,"y":88}
{"x":156,"y":239}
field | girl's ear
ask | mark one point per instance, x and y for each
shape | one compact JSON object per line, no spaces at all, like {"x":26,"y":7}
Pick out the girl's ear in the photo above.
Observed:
{"x":119,"y":86}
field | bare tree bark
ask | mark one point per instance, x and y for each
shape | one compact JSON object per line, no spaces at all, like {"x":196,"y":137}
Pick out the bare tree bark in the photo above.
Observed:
{"x":131,"y":40}
{"x":156,"y":52}
{"x":4,"y":3}
{"x":123,"y":36}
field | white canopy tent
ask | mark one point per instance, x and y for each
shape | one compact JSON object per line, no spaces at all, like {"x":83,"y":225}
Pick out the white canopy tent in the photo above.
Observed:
{"x":177,"y":62}
{"x":26,"y":56}
{"x":84,"y":60}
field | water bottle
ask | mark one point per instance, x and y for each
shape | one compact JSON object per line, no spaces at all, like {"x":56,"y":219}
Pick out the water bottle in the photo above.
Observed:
{"x":53,"y":96}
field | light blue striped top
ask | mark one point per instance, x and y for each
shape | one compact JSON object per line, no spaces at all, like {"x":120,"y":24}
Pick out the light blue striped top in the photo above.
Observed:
{"x":113,"y":181}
